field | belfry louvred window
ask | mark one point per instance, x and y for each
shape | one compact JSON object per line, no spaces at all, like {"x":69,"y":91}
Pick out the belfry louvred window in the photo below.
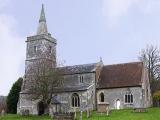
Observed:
{"x":50,"y":49}
{"x":35,"y":49}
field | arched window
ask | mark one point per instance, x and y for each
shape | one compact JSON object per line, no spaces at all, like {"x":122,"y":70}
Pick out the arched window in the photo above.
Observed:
{"x":75,"y":100}
{"x":101,"y":96}
{"x":128,"y":98}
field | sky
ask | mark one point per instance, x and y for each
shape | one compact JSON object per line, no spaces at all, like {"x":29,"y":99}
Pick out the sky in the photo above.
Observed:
{"x":115,"y":30}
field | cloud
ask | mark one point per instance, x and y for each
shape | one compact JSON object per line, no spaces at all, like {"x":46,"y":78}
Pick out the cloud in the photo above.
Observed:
{"x":4,"y":3}
{"x":12,"y":52}
{"x":116,"y":7}
{"x":114,"y":10}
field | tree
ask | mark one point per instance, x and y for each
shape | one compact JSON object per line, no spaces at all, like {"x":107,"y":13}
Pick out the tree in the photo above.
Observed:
{"x":13,"y":96}
{"x":3,"y":105}
{"x":156,"y":97}
{"x":43,"y":80}
{"x":151,"y":57}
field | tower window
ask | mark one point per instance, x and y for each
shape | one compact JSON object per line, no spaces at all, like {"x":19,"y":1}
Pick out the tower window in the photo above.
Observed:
{"x":35,"y":49}
{"x":128,"y":98}
{"x":50,"y":49}
{"x":81,"y":79}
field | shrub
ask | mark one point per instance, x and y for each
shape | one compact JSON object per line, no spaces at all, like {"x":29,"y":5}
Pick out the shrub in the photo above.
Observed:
{"x":156,"y":95}
{"x":13,"y":96}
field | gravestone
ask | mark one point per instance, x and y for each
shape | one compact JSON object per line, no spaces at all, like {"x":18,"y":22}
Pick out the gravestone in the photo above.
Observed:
{"x":24,"y":112}
{"x":81,"y":115}
{"x":64,"y":116}
{"x":2,"y":112}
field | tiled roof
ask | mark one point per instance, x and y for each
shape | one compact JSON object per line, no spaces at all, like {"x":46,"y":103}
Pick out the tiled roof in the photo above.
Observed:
{"x":85,"y":68}
{"x":121,"y":75}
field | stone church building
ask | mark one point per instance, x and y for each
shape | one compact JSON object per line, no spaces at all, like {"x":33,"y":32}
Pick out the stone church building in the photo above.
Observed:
{"x":89,"y":85}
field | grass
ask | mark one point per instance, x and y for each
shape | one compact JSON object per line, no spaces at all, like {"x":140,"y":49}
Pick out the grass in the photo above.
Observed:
{"x":152,"y":114}
{"x":18,"y":117}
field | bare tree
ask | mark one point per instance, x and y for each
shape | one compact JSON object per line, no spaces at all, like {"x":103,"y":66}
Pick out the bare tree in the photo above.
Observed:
{"x":41,"y":80}
{"x":3,"y":105}
{"x":151,"y":58}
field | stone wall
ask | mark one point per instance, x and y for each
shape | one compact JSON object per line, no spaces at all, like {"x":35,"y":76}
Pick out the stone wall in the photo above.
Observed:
{"x":74,"y":80}
{"x":42,"y":45}
{"x":26,"y":104}
{"x":112,"y":95}
{"x":86,"y":100}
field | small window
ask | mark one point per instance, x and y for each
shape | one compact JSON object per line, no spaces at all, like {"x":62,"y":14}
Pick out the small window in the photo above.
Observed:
{"x":50,"y":49}
{"x":101,"y":97}
{"x":35,"y":49}
{"x":81,"y":79}
{"x":128,"y":98}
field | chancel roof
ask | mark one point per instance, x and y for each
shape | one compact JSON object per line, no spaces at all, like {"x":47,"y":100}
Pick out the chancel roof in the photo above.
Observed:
{"x":121,"y":75}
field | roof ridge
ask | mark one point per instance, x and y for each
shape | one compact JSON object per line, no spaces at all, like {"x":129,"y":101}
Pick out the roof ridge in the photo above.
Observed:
{"x":78,"y":65}
{"x":123,"y":63}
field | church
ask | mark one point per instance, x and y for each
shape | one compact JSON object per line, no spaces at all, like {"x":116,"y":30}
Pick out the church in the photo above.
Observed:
{"x":91,"y":85}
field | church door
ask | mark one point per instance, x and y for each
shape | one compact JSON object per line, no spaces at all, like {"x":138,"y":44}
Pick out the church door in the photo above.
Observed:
{"x":40,"y":108}
{"x":118,"y":103}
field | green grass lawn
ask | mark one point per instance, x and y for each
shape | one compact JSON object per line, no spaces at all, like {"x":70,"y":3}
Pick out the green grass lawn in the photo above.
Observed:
{"x":18,"y":117}
{"x":152,"y":114}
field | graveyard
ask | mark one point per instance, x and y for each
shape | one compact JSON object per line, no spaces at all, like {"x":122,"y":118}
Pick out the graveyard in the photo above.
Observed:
{"x":150,"y":114}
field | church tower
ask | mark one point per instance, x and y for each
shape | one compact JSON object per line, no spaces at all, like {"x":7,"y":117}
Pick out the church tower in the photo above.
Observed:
{"x":40,"y":47}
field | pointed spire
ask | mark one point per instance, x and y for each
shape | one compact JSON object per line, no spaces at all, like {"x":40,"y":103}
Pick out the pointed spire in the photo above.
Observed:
{"x":42,"y":27}
{"x":42,"y":16}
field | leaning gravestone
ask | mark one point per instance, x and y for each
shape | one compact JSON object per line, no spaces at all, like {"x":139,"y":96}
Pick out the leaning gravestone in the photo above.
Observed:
{"x":75,"y":115}
{"x":107,"y":110}
{"x":2,"y":113}
{"x":89,"y":111}
{"x":81,"y":115}
{"x":24,"y":112}
{"x":64,"y":116}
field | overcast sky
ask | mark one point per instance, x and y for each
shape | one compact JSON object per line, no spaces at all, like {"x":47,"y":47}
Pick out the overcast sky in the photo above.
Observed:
{"x":86,"y":30}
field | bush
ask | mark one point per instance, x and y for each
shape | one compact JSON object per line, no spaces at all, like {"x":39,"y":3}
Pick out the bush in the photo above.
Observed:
{"x":13,"y":96}
{"x":156,"y":95}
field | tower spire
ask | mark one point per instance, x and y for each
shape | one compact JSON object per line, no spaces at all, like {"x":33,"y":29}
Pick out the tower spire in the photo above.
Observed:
{"x":42,"y":27}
